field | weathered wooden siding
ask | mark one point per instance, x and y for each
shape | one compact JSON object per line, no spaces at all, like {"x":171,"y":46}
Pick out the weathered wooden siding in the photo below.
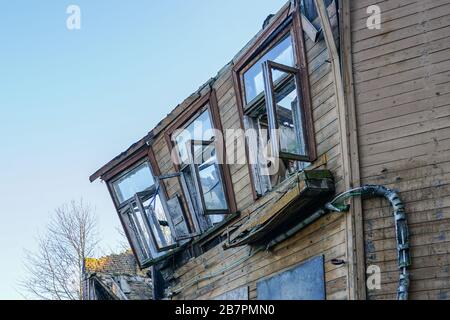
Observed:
{"x":326,"y":236}
{"x":229,"y":116}
{"x":402,"y":94}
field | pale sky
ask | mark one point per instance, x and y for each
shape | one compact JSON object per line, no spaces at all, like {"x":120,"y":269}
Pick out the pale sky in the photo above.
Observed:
{"x":72,"y":100}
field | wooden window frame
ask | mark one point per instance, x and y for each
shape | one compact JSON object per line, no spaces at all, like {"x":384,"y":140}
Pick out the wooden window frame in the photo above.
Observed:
{"x":195,"y":169}
{"x":268,"y":66}
{"x":206,"y":102}
{"x":142,"y":155}
{"x":125,"y":172}
{"x":287,"y":21}
{"x":138,"y":199}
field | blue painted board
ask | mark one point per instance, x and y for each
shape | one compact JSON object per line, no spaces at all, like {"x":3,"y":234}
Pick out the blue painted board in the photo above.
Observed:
{"x":303,"y":282}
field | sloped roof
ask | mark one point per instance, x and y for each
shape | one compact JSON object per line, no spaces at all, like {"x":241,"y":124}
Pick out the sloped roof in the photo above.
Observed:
{"x":118,"y":277}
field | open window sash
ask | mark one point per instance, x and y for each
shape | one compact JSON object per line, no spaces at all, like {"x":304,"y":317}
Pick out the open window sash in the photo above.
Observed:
{"x":189,"y":187}
{"x":139,"y":238}
{"x":209,"y":180}
{"x":284,"y":111}
{"x":166,"y":221}
{"x":258,"y":161}
{"x":177,"y":217}
{"x":154,"y":225}
{"x":157,"y":224}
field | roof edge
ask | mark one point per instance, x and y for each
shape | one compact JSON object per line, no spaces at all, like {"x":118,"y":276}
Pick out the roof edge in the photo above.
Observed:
{"x":148,"y":139}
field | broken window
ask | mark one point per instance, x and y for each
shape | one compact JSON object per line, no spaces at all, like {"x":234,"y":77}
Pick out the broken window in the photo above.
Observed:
{"x":277,"y":113}
{"x":201,"y":171}
{"x":153,"y":224}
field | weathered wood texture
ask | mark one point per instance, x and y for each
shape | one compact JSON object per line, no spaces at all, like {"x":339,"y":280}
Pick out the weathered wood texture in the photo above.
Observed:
{"x":326,"y":236}
{"x":402,"y":94}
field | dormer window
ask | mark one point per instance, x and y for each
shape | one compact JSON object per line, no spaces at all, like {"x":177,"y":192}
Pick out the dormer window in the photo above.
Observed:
{"x":153,"y":224}
{"x":197,"y":154}
{"x":272,"y":83}
{"x":196,"y":149}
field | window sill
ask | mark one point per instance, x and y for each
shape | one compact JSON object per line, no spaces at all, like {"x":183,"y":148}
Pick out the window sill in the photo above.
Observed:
{"x":269,"y":214}
{"x":214,"y":231}
{"x":288,"y":204}
{"x":151,"y":262}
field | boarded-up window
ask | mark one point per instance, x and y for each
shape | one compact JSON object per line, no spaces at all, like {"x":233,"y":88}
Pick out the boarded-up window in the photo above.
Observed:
{"x":303,"y":282}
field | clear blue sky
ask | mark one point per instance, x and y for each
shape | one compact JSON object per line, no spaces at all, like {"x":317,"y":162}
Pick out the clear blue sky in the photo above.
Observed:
{"x":72,"y":100}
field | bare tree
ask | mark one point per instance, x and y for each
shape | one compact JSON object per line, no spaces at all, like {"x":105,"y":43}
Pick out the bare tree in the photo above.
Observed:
{"x":122,"y":243}
{"x":55,"y":269}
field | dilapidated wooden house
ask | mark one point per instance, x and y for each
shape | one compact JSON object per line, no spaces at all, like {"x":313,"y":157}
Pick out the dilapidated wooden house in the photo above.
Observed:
{"x":115,"y":277}
{"x":347,"y":98}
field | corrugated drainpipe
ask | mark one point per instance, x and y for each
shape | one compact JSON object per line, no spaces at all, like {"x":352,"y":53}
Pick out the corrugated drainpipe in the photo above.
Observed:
{"x":401,"y":227}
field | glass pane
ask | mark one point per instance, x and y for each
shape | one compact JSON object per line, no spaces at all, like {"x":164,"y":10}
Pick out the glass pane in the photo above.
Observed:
{"x":141,"y":232}
{"x":137,"y":180}
{"x":210,"y":178}
{"x":282,"y":53}
{"x":162,"y":232}
{"x":137,"y":244}
{"x":187,"y":172}
{"x":289,"y":117}
{"x":213,"y":219}
{"x":199,"y":129}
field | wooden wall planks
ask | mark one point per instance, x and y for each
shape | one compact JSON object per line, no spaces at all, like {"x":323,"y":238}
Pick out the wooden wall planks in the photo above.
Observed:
{"x":402,"y":85}
{"x":326,"y":236}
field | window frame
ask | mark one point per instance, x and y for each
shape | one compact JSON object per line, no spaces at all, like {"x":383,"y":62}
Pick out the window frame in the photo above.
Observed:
{"x":153,"y":220}
{"x":142,"y":253}
{"x":122,"y":174}
{"x":207,"y":101}
{"x":272,"y":114}
{"x":196,"y":171}
{"x":287,"y":21}
{"x":151,"y":251}
{"x":278,"y":38}
{"x":138,"y":200}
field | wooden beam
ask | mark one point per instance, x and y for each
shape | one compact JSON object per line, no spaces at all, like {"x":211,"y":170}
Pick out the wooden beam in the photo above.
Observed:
{"x":115,"y":288}
{"x":344,"y":140}
{"x":349,"y":96}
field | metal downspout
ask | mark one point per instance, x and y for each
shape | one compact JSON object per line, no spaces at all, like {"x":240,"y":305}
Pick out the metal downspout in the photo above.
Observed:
{"x":401,"y":227}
